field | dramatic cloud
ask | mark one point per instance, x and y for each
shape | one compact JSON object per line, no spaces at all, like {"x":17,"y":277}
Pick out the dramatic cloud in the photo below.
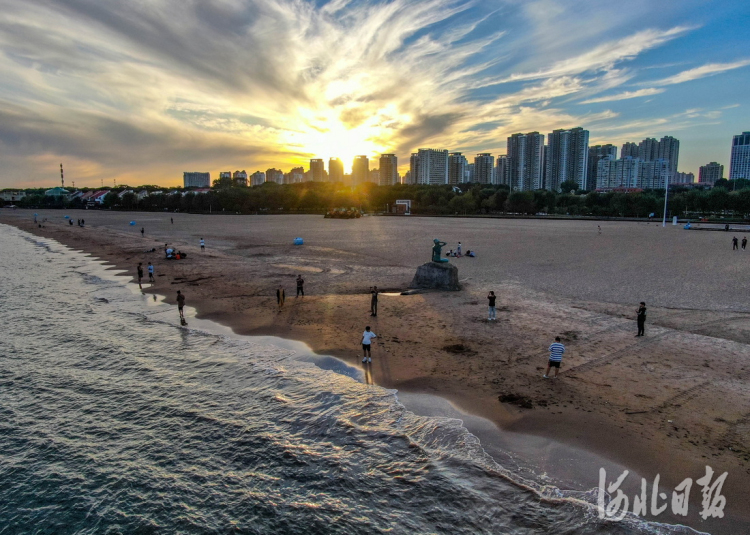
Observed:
{"x":142,"y":91}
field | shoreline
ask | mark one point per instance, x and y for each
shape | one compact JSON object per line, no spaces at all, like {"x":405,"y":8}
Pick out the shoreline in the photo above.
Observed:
{"x":567,"y":420}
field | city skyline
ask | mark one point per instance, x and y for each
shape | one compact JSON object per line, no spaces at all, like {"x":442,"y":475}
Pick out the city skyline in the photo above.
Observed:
{"x":139,"y":93}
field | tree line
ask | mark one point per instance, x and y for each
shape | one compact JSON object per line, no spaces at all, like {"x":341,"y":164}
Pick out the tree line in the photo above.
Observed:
{"x":726,"y":199}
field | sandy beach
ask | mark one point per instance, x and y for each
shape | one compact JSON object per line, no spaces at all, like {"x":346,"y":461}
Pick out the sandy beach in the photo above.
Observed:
{"x":669,"y":403}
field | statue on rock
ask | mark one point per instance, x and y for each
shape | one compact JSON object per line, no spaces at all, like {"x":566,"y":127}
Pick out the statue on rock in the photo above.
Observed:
{"x":437,"y":251}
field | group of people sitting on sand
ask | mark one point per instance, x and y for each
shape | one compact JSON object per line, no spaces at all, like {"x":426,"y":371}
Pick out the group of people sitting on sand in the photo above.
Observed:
{"x":171,"y":254}
{"x":457,"y":252}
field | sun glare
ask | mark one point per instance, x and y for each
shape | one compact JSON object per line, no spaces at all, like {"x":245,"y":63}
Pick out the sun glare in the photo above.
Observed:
{"x":325,"y":135}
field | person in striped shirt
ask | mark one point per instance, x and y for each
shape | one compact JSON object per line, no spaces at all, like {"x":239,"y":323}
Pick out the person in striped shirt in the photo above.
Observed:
{"x":556,"y":351}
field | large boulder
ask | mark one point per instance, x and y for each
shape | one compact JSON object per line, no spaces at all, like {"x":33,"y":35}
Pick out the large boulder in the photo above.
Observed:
{"x":436,"y":276}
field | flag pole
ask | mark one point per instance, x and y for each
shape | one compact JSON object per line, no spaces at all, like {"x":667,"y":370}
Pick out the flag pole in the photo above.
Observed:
{"x":666,"y":194}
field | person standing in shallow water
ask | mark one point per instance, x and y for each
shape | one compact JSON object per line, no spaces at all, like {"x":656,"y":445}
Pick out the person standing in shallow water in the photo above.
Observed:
{"x":181,"y":305}
{"x":140,"y":272}
{"x":641,"y":315}
{"x":151,"y":272}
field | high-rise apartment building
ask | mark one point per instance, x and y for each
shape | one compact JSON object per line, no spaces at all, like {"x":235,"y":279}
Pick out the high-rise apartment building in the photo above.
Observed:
{"x":525,"y":161}
{"x":196,"y":180}
{"x":596,"y":153}
{"x":374,"y":176}
{"x":360,"y":170}
{"x":484,"y":168}
{"x":388,"y":170}
{"x":456,"y":168}
{"x":629,"y":149}
{"x":648,"y":149}
{"x":710,"y":173}
{"x":433,"y":166}
{"x":317,"y":169}
{"x":240,"y":178}
{"x":739,"y":163}
{"x":275,"y":175}
{"x":257,"y":178}
{"x":413,"y":168}
{"x":295,"y":176}
{"x":632,"y":173}
{"x":225,"y":174}
{"x":567,"y":158}
{"x":501,"y":170}
{"x":669,"y":149}
{"x":469,"y":174}
{"x":335,"y":170}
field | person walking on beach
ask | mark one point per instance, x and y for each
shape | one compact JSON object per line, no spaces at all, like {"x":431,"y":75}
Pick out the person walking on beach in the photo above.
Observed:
{"x":171,"y":220}
{"x":180,"y":306}
{"x":744,"y":242}
{"x":300,"y":286}
{"x":83,"y":222}
{"x":367,"y":337}
{"x":734,"y":244}
{"x":491,"y":315}
{"x":641,"y":316}
{"x":203,"y":245}
{"x":458,"y":249}
{"x":151,"y":272}
{"x":374,"y":301}
{"x":280,"y":297}
{"x":143,"y":231}
{"x":600,"y":228}
{"x":556,"y":351}
{"x":140,"y":272}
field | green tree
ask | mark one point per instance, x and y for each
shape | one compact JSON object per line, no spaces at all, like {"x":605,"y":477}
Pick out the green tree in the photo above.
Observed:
{"x":568,"y":186}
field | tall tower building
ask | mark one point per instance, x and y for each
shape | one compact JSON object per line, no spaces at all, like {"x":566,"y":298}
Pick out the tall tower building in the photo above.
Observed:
{"x":388,"y":170}
{"x":501,"y":170}
{"x":433,"y":166}
{"x":414,"y":168}
{"x":484,"y":168}
{"x":739,"y":163}
{"x":525,"y":161}
{"x":456,"y":168}
{"x":710,"y":173}
{"x":669,"y":149}
{"x":567,"y":158}
{"x":360,"y":170}
{"x":648,"y":149}
{"x":629,"y":149}
{"x":335,"y":170}
{"x":317,"y":169}
{"x":596,"y":153}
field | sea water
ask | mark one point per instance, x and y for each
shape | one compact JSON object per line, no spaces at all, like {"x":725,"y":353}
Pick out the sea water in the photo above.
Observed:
{"x":115,"y":419}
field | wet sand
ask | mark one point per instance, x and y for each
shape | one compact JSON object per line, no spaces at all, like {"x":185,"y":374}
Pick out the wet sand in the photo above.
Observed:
{"x":669,"y":403}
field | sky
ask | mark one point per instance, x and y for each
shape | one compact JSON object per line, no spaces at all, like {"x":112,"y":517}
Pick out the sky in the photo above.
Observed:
{"x":139,"y":91}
